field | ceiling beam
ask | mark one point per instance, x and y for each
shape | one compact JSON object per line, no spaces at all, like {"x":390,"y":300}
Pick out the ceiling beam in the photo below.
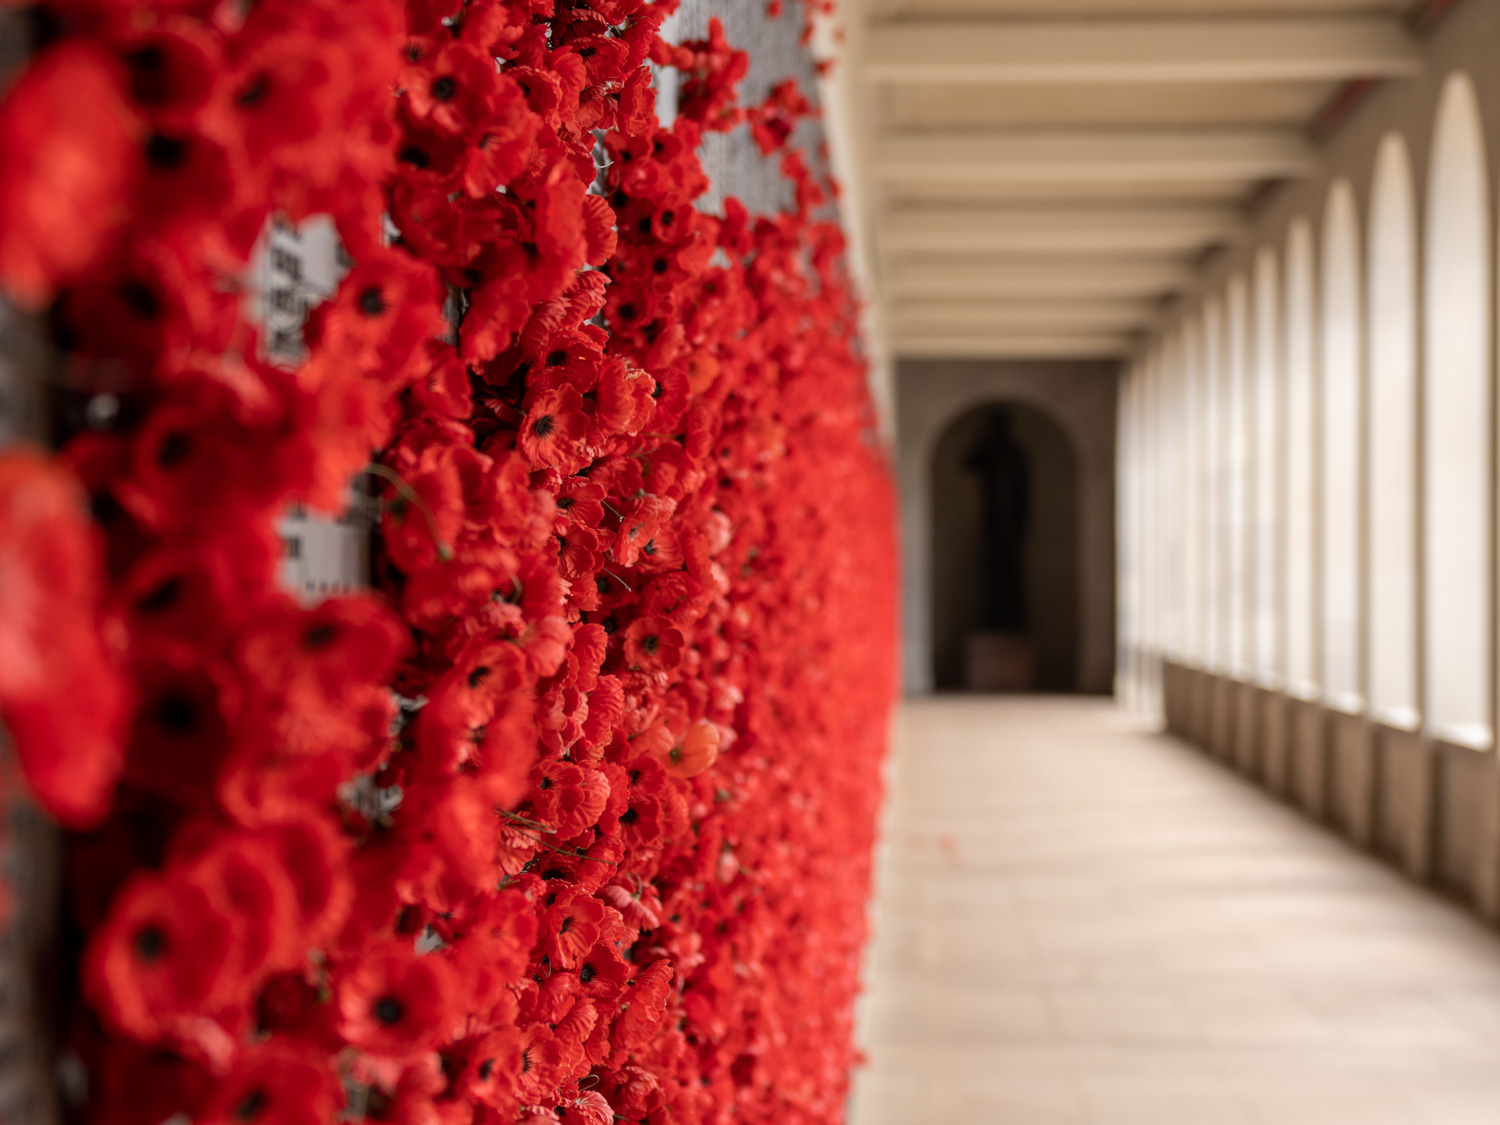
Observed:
{"x":1091,"y":156}
{"x":1130,"y":51}
{"x":979,"y":317}
{"x":1054,"y":230}
{"x":1014,"y":345}
{"x":916,"y":277}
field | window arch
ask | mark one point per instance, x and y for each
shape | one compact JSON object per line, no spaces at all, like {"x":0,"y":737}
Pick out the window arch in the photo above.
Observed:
{"x":1266,"y":457}
{"x":1456,"y":425}
{"x":1303,"y":493}
{"x":1392,"y":500}
{"x":1342,"y":450}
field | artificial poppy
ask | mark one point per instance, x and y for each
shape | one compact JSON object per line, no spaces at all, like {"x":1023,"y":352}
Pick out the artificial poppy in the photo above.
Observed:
{"x":394,"y":1002}
{"x":69,"y":140}
{"x":167,"y":953}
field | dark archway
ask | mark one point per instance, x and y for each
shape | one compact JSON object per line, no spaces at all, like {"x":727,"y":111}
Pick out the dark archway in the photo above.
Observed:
{"x":1005,"y":504}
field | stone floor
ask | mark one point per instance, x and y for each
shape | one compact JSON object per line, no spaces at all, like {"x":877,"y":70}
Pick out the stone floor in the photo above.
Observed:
{"x":1082,"y":921}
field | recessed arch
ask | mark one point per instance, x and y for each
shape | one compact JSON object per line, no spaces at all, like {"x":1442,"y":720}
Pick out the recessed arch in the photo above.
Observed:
{"x":1303,"y":494}
{"x":1392,"y":501}
{"x":1457,"y":428}
{"x":1341,"y":403}
{"x":1005,"y":499}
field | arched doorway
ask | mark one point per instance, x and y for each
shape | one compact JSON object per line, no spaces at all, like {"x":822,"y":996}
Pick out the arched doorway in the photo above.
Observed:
{"x":1005,"y":513}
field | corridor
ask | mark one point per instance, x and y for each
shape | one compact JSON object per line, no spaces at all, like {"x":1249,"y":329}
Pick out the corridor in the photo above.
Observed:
{"x":1083,"y":921}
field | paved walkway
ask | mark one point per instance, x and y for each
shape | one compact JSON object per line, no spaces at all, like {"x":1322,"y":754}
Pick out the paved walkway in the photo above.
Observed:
{"x":1082,"y":922}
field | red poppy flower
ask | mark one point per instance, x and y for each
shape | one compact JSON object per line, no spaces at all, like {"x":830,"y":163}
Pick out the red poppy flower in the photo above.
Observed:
{"x":454,"y":91}
{"x":694,"y":752}
{"x":166,"y":954}
{"x":387,"y":307}
{"x":504,"y":142}
{"x":554,"y":429}
{"x":183,"y":720}
{"x":490,"y":1068}
{"x":63,"y":703}
{"x":653,"y":644}
{"x":567,"y":797}
{"x":394,"y":1002}
{"x":172,"y":68}
{"x":275,"y":1081}
{"x":314,"y":856}
{"x":571,"y":925}
{"x":69,"y":141}
{"x":645,"y":1004}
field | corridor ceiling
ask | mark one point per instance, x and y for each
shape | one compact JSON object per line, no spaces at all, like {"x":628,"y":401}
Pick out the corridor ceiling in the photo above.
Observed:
{"x":1040,"y":177}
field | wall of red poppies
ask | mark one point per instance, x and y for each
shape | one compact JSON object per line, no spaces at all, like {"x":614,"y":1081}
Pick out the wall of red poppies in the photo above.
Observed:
{"x":570,"y":817}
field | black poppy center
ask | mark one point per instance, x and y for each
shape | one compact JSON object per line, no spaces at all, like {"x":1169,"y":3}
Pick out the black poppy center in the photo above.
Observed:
{"x":251,"y":1105}
{"x":254,"y":92}
{"x":478,"y":676}
{"x":165,"y":152}
{"x":444,"y":88}
{"x":545,"y":425}
{"x":389,"y":1010}
{"x":486,"y":1068}
{"x":140,"y":299}
{"x":415,"y":156}
{"x":150,"y":943}
{"x":651,"y":644}
{"x":629,"y":816}
{"x":174,"y":449}
{"x":177,"y":713}
{"x":163,"y":597}
{"x":557,"y":358}
{"x":319,"y":636}
{"x":587,"y":973}
{"x":372,"y":301}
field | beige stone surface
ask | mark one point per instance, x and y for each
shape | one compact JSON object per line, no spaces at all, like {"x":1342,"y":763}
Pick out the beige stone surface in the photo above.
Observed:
{"x":1081,"y":921}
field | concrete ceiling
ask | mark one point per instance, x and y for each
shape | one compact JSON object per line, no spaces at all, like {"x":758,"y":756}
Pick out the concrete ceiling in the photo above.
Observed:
{"x":1040,"y":177}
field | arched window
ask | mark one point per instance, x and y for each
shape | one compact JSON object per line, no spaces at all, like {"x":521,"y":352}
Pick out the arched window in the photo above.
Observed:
{"x":1456,"y":425}
{"x":1392,"y":296}
{"x":1303,"y":494}
{"x":1341,"y":405}
{"x":1237,"y":473}
{"x":1265,"y":563}
{"x":1215,"y":506}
